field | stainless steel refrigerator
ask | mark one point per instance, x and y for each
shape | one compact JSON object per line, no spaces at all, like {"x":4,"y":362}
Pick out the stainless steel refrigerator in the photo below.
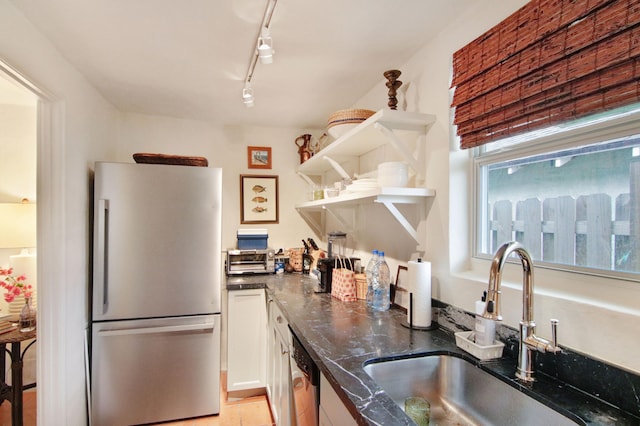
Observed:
{"x":155,"y":346}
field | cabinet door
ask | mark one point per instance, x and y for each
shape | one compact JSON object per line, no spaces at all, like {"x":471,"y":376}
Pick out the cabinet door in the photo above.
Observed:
{"x":323,"y":419}
{"x":332,"y":410}
{"x":285,"y":403}
{"x":247,"y":340}
{"x":280,"y":397}
{"x":273,"y":364}
{"x":270,"y":352}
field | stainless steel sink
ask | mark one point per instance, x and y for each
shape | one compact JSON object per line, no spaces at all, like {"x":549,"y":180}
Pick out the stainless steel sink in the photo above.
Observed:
{"x":460,"y":393}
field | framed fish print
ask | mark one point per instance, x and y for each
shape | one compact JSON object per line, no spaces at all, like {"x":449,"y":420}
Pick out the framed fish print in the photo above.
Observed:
{"x":258,"y":199}
{"x":259,"y":157}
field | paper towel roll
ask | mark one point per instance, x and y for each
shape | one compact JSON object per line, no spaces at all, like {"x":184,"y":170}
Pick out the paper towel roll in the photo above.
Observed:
{"x":419,"y":283}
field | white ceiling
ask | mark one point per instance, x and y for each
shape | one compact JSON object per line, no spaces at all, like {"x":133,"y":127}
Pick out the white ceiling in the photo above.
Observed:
{"x":189,"y":58}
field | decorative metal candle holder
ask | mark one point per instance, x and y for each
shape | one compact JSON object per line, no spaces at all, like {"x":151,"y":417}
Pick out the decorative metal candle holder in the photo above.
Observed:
{"x":393,"y":84}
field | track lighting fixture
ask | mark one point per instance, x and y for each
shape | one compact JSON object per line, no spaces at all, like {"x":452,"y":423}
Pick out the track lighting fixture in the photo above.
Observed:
{"x":263,"y":50}
{"x":265,"y":47}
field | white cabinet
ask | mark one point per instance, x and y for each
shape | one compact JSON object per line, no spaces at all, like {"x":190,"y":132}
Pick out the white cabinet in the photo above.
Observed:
{"x":378,"y":130}
{"x":332,"y":410}
{"x":247,"y":340}
{"x":279,"y":368}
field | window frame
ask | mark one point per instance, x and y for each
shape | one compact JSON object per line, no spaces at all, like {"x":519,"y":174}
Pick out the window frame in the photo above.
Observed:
{"x":616,"y":124}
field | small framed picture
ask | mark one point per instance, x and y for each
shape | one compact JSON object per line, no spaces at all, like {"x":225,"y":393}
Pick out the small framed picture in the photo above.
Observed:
{"x":258,"y":199}
{"x":259,"y":157}
{"x":399,"y":293}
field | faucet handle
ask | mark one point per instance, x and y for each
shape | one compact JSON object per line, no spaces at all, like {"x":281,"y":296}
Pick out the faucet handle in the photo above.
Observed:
{"x":554,"y":335}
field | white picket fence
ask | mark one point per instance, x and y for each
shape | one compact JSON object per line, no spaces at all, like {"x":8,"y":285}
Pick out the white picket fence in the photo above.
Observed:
{"x":582,"y":231}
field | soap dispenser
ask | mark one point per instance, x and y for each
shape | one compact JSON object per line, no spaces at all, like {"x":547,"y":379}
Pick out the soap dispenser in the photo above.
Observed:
{"x":485,"y":328}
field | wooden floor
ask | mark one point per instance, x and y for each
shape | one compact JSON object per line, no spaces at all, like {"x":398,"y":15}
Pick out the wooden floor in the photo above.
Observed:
{"x":29,"y":410}
{"x":252,"y":411}
{"x":247,"y":412}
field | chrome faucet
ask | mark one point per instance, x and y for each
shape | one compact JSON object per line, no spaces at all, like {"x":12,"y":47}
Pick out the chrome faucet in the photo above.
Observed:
{"x":528,"y":340}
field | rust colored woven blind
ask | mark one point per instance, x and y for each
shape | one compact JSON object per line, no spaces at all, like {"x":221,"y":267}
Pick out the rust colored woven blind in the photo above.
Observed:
{"x":549,"y":62}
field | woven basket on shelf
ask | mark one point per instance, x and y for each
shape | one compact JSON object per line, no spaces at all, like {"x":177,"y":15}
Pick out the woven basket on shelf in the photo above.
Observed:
{"x":349,"y":116}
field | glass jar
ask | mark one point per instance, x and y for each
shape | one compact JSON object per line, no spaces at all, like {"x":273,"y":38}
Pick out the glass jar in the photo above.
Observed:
{"x":318,"y":193}
{"x":27,"y":316}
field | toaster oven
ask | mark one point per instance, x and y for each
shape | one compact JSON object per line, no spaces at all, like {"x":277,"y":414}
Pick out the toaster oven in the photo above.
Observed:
{"x":244,"y":262}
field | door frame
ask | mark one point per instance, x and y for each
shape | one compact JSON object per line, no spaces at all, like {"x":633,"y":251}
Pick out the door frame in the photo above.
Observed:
{"x":51,"y":373}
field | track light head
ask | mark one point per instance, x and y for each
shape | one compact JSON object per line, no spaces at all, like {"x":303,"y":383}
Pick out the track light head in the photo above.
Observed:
{"x":247,"y":95}
{"x":265,"y":47}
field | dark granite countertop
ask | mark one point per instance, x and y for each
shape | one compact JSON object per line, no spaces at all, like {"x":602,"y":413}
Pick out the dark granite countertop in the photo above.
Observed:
{"x":343,"y":337}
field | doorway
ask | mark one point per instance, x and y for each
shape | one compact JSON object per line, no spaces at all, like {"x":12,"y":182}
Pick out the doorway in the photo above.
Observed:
{"x":18,"y":198}
{"x":51,"y":245}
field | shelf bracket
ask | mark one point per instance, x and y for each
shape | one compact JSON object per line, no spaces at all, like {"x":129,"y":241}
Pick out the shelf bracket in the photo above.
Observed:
{"x":307,"y":179}
{"x":402,"y":220}
{"x":400,"y":147}
{"x":337,"y":167}
{"x":349,"y":225}
{"x":314,"y":222}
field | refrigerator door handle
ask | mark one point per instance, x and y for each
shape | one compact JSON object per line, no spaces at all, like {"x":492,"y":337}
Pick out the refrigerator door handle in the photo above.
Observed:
{"x":154,"y":330}
{"x":101,"y":266}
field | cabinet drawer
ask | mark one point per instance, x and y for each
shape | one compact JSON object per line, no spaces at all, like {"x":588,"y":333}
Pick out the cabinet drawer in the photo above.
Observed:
{"x":280,"y":323}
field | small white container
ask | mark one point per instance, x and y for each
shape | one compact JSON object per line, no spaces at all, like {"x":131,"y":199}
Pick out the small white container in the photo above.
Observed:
{"x":464,"y":341}
{"x":393,"y":173}
{"x":331,"y":192}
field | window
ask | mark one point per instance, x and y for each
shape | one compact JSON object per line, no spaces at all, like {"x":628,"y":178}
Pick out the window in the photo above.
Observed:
{"x":570,"y":195}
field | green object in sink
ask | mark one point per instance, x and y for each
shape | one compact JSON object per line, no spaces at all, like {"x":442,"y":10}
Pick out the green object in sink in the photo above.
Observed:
{"x":418,"y":409}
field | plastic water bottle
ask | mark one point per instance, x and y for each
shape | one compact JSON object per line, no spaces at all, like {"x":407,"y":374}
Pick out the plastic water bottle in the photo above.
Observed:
{"x":368,"y":271}
{"x":381,"y":278}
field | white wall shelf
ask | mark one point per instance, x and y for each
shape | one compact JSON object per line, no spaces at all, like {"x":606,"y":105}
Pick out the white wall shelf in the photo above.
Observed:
{"x":377,"y":131}
{"x":372,"y":133}
{"x":395,"y":195}
{"x":387,"y":196}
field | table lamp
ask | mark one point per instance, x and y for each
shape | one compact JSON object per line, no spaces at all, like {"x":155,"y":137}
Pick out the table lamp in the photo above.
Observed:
{"x":18,"y":231}
{"x":17,"y":225}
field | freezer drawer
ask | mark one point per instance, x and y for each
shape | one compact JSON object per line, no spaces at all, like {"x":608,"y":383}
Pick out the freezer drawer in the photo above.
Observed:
{"x":148,"y":371}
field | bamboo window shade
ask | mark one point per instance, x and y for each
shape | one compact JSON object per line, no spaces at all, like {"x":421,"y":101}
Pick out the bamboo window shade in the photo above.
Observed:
{"x":549,"y":62}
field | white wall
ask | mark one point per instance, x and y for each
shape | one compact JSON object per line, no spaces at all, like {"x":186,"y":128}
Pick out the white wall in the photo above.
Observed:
{"x":595,"y":313}
{"x":84,"y":126}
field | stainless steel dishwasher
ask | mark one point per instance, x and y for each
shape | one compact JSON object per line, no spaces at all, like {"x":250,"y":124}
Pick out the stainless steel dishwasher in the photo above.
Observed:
{"x":305,"y":379}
